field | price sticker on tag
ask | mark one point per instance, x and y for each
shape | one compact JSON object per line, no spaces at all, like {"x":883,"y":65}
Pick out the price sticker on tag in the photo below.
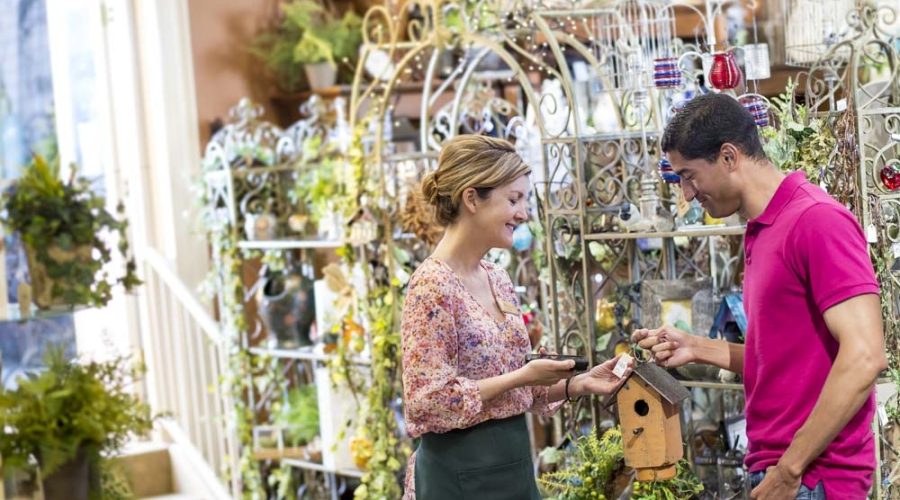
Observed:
{"x":871,"y":234}
{"x":622,"y":365}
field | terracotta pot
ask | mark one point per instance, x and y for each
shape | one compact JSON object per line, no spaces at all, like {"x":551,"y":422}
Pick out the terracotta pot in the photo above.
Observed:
{"x":42,"y":283}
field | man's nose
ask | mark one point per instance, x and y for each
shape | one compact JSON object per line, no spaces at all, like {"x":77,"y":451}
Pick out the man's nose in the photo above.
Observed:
{"x":688,"y":190}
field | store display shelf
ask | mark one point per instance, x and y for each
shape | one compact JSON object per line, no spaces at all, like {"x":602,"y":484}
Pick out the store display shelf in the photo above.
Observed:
{"x":712,"y":385}
{"x":288,"y":244}
{"x":305,"y":355}
{"x":694,"y":232}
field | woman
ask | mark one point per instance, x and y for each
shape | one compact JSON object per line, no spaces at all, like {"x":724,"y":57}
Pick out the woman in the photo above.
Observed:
{"x":466,"y":383}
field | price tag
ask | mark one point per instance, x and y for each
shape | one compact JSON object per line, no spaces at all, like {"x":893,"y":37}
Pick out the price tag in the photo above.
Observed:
{"x":871,"y":234}
{"x":622,"y":365}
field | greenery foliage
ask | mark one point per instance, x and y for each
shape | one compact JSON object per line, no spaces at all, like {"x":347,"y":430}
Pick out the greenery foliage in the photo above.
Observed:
{"x":590,"y":473}
{"x":798,"y":140}
{"x":309,"y":33}
{"x":68,"y":407}
{"x":300,"y":415}
{"x":319,"y":179}
{"x":53,"y":216}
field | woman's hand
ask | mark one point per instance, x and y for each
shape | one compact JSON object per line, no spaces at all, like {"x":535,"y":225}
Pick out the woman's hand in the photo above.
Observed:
{"x":546,"y":371}
{"x":600,"y":379}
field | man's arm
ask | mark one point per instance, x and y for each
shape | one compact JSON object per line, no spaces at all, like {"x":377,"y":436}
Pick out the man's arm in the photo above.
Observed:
{"x":673,"y":348}
{"x":720,"y":353}
{"x":856,"y":325}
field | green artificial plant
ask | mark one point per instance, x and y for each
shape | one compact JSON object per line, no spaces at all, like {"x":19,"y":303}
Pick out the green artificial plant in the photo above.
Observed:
{"x":65,"y":227}
{"x":299,"y":416}
{"x":309,"y":33}
{"x":590,"y":473}
{"x":798,"y":140}
{"x":70,"y":407}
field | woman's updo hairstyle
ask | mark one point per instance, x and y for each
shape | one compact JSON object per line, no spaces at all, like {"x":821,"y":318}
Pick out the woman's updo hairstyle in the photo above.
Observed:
{"x":470,"y":161}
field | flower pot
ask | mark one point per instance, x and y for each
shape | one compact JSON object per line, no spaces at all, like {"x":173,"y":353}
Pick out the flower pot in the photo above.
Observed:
{"x":71,"y":481}
{"x":260,"y":226}
{"x":42,"y":284}
{"x":320,"y":75}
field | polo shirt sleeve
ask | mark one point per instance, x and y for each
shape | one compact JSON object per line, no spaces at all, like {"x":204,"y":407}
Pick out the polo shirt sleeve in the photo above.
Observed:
{"x":828,"y":251}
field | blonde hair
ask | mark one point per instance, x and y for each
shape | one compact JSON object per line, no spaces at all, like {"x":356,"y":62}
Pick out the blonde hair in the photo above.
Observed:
{"x":470,"y":161}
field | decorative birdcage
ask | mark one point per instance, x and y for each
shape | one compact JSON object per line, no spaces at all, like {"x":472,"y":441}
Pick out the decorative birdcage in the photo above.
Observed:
{"x":815,"y":25}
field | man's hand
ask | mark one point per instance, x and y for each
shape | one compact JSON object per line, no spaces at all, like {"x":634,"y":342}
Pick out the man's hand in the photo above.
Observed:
{"x":778,"y":484}
{"x":670,"y":346}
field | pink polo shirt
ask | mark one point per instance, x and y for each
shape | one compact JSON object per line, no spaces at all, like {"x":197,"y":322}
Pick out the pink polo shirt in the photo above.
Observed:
{"x":804,"y":254}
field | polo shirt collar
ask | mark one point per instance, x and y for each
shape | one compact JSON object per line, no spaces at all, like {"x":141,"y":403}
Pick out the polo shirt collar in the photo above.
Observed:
{"x":783,"y":195}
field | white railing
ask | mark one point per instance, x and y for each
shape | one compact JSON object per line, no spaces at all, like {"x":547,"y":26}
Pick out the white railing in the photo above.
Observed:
{"x":186,"y":356}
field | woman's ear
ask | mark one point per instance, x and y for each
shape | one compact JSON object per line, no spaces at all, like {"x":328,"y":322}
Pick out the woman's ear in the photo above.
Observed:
{"x":469,"y":200}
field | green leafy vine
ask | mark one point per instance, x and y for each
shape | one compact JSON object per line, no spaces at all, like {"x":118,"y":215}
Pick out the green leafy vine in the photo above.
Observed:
{"x":65,"y":222}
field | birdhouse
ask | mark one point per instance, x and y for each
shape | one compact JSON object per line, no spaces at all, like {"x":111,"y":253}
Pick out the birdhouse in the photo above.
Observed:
{"x":651,"y":428}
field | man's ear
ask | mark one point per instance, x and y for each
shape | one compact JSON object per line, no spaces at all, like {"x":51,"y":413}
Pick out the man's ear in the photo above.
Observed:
{"x":469,"y":200}
{"x":730,"y":154}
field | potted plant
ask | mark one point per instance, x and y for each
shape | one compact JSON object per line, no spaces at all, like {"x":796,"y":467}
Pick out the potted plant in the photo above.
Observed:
{"x":596,"y":469}
{"x":312,"y":35}
{"x":68,"y":418}
{"x":300,"y":419}
{"x":64,"y":227}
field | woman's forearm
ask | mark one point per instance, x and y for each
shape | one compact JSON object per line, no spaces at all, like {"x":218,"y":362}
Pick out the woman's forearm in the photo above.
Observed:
{"x":490,"y":388}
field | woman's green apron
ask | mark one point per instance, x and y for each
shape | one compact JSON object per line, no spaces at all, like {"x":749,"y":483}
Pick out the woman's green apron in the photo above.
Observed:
{"x":490,"y":461}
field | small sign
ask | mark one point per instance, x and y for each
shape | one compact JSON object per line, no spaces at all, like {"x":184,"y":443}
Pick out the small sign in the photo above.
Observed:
{"x":622,"y":365}
{"x":871,"y":234}
{"x":507,"y":308}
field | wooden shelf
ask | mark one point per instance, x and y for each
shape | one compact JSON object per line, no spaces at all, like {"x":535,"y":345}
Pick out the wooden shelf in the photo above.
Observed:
{"x":304,"y":355}
{"x":700,"y":231}
{"x":303,"y":464}
{"x":291,"y":452}
{"x":288,"y":244}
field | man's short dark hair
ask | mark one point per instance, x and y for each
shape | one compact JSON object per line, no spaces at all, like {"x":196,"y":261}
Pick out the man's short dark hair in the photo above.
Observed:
{"x":706,"y":122}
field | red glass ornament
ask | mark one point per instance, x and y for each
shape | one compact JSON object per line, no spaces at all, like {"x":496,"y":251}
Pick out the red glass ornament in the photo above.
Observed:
{"x":890,"y":178}
{"x":724,"y":73}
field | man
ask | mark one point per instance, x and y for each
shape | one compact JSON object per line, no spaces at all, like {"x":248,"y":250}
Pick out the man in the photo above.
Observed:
{"x":815,"y":342}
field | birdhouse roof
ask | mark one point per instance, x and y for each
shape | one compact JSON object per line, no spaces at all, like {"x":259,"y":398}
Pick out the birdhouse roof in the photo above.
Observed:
{"x":660,"y":380}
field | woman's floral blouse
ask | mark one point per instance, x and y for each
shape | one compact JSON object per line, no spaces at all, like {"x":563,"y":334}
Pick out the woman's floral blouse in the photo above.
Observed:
{"x":450,"y":341}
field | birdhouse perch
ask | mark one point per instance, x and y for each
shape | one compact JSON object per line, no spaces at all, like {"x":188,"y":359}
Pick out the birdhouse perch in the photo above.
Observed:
{"x":651,"y":428}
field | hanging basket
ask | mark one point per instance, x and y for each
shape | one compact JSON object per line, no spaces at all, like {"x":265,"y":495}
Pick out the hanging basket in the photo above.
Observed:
{"x":41,"y":282}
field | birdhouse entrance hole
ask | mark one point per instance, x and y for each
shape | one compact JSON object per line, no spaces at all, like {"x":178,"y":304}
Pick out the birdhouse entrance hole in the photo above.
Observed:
{"x":641,"y":407}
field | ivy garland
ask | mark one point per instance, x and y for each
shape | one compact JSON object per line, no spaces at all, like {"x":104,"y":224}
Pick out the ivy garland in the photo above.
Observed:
{"x":376,"y":443}
{"x":238,"y":377}
{"x":882,"y":256}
